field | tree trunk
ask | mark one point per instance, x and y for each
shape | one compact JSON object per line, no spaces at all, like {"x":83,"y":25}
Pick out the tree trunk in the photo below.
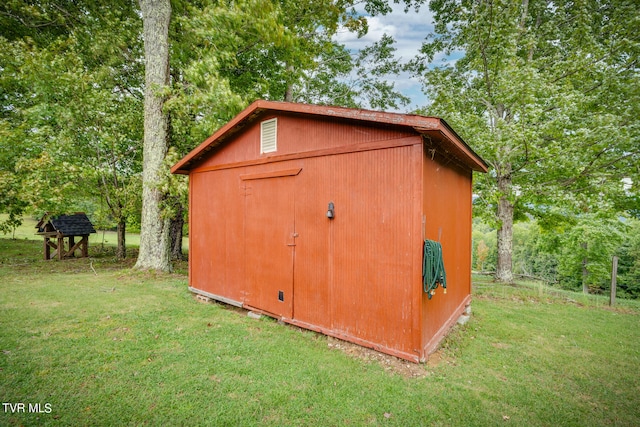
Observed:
{"x":288,"y":93}
{"x":176,"y":233}
{"x":154,"y":230}
{"x":121,"y":251}
{"x":504,"y":268}
{"x":585,"y":270}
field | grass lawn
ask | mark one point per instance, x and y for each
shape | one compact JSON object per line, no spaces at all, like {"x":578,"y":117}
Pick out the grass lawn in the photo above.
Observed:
{"x":104,"y":239}
{"x":95,"y":343}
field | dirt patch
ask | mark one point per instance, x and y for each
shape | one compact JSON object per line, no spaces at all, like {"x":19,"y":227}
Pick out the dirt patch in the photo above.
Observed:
{"x":438,"y":358}
{"x":389,"y":363}
{"x":500,"y":345}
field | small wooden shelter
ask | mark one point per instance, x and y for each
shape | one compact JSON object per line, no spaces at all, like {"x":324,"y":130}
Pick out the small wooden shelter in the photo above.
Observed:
{"x":319,"y":216}
{"x":56,"y":229}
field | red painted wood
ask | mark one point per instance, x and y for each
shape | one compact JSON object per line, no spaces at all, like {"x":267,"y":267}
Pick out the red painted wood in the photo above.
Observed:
{"x":433,"y":127}
{"x":258,"y":224}
{"x":447,"y":209}
{"x":269,"y":242}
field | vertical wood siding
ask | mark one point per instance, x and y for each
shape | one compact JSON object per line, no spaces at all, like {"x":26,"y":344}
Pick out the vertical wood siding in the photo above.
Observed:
{"x":447,"y":210}
{"x":298,"y":134}
{"x":264,"y":240}
{"x":217,"y":251}
{"x":352,"y":273}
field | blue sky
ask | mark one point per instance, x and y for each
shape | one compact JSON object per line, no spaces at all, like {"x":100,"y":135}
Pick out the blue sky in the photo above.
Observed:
{"x":409,"y":30}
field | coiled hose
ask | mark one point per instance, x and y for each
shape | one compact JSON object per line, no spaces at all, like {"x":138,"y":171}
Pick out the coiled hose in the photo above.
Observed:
{"x":433,"y":268}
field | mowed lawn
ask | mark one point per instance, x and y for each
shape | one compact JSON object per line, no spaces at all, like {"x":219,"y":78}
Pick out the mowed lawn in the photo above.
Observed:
{"x":91,"y":342}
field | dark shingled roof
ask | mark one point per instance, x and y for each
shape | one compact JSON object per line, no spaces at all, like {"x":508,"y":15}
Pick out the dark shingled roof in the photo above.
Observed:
{"x":73,"y":225}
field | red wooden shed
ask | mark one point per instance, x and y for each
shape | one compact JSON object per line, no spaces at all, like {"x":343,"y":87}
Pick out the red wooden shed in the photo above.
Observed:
{"x":317,"y":216}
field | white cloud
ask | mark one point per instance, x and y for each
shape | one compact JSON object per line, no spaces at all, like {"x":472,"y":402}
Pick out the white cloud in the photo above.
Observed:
{"x":377,"y":28}
{"x":409,"y":30}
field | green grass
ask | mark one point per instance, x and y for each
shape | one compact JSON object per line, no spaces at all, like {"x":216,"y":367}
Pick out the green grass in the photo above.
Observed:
{"x":27,"y":231}
{"x":104,"y":239}
{"x":120,"y":347}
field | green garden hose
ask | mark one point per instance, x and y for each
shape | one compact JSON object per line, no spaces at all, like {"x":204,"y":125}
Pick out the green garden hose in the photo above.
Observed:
{"x":433,"y":268}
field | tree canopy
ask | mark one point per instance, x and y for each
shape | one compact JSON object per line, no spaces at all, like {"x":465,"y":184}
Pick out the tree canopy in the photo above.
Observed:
{"x":548,"y":93}
{"x":545,"y":91}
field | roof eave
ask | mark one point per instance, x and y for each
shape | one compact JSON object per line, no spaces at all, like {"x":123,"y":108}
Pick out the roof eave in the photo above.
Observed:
{"x":466,"y":153}
{"x":182,"y":167}
{"x":420,"y":124}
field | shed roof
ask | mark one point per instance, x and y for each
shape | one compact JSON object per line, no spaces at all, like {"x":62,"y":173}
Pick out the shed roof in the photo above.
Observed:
{"x":77,"y":224}
{"x":433,"y":127}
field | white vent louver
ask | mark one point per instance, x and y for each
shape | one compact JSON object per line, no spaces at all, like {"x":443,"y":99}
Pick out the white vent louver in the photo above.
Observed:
{"x":268,"y":136}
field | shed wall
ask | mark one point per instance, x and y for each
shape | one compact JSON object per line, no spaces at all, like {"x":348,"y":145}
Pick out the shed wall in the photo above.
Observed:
{"x":447,"y":210}
{"x":216,"y":246}
{"x":298,"y":135}
{"x":357,"y":276}
{"x":353,"y":276}
{"x":372,"y":239}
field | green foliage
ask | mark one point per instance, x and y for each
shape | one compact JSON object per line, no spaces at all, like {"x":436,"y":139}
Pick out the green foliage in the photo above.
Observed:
{"x":628,"y":282}
{"x":203,"y":38}
{"x":175,"y":188}
{"x":482,"y":237}
{"x":225,"y":56}
{"x":48,"y":184}
{"x":548,"y":95}
{"x":535,"y":251}
{"x":587,"y":249}
{"x":574,"y":253}
{"x":72,"y":108}
{"x":72,"y":85}
{"x":11,"y":201}
{"x":373,"y":64}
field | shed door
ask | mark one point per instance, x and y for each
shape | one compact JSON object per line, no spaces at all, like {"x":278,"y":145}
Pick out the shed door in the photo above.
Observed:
{"x":270,"y":244}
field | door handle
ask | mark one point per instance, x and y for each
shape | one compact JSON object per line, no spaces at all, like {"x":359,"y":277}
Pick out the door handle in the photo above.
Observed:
{"x":294,"y":235}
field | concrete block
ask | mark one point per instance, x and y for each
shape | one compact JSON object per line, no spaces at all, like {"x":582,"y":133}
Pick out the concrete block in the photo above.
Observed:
{"x":462,"y":320}
{"x":202,"y":298}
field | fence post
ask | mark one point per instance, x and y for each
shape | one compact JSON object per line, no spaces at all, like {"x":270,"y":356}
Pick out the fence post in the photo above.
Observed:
{"x":614,"y":275}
